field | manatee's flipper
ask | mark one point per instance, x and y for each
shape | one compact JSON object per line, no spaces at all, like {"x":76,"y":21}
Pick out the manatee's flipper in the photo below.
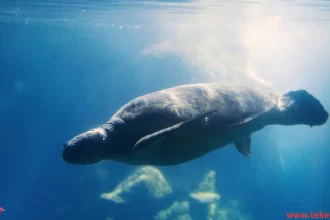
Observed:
{"x":157,"y":138}
{"x":243,"y":145}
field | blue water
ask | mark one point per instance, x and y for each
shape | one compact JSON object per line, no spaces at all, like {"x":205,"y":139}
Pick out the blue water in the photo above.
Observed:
{"x":67,"y":66}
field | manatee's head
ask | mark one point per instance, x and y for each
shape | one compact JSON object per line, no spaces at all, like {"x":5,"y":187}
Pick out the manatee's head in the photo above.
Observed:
{"x":86,"y":148}
{"x":300,"y":107}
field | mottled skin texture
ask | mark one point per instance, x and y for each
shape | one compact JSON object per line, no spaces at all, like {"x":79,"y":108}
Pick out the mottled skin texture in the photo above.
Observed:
{"x":239,"y":111}
{"x":159,"y":110}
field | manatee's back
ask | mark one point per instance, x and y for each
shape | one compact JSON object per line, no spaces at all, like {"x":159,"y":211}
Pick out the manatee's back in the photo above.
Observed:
{"x":237,"y":104}
{"x":142,"y":116}
{"x":162,"y":109}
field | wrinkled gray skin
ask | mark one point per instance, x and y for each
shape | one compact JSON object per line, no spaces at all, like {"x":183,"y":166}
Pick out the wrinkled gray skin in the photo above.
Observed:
{"x":238,"y":112}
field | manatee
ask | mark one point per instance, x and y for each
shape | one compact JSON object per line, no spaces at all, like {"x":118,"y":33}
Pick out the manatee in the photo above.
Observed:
{"x":180,"y":124}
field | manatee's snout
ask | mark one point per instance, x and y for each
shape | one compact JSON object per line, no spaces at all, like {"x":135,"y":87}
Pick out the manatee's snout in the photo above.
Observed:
{"x":86,"y":148}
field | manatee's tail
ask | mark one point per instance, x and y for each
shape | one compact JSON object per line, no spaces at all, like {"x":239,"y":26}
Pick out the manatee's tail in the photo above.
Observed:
{"x":300,"y":107}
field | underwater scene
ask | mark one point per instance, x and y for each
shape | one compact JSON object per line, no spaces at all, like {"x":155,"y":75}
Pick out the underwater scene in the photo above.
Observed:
{"x":164,"y":109}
